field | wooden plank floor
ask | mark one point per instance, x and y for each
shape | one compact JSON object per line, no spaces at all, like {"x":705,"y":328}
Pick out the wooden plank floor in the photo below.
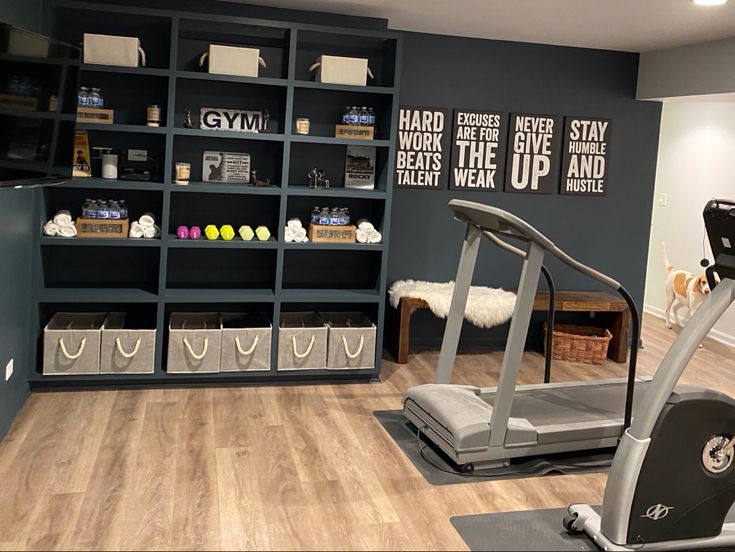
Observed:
{"x":265,"y":467}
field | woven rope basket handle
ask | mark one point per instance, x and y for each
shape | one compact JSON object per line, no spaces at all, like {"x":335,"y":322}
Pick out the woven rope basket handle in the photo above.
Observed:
{"x":359,"y":349}
{"x":191,"y":351}
{"x":308,"y":349}
{"x":122,"y":352}
{"x":75,"y":355}
{"x":250,"y":350}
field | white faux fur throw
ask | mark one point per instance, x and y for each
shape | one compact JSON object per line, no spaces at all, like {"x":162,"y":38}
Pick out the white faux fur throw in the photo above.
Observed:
{"x":486,"y":306}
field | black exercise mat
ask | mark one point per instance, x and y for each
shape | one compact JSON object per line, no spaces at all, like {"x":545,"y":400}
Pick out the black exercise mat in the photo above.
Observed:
{"x":528,"y":530}
{"x":403,"y":433}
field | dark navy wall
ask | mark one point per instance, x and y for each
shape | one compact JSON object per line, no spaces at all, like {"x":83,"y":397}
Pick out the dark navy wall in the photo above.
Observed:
{"x":608,"y":233}
{"x":16,"y":212}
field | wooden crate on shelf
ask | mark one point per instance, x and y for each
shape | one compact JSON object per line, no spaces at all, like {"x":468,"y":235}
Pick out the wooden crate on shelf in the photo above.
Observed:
{"x":102,"y":228}
{"x":319,"y":233}
{"x":354,"y":132}
{"x":95,"y":115}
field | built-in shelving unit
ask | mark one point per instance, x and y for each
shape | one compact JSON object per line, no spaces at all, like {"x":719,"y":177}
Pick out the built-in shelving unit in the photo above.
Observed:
{"x":153,"y":278}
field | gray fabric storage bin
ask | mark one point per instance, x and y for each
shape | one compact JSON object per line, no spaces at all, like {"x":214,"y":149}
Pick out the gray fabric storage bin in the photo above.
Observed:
{"x":246,"y":342}
{"x":302,"y":341}
{"x":351,"y":340}
{"x":71,"y":343}
{"x":194,"y":343}
{"x":126,"y":350}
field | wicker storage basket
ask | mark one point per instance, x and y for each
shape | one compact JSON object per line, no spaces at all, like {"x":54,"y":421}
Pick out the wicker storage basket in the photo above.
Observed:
{"x":584,"y":344}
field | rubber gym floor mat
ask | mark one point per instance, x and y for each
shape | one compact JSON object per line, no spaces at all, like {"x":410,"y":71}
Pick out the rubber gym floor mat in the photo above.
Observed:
{"x":438,"y":469}
{"x":527,"y":530}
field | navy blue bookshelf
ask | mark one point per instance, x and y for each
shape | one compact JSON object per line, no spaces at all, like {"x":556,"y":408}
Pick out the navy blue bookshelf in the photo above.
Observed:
{"x":173,"y":40}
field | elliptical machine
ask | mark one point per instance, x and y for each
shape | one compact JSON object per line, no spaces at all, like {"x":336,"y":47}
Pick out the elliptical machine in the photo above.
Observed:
{"x":672,"y":481}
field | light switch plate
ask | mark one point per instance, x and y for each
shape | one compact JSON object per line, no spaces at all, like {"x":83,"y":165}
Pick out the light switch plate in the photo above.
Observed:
{"x":137,"y":155}
{"x":9,"y":369}
{"x":662,"y":200}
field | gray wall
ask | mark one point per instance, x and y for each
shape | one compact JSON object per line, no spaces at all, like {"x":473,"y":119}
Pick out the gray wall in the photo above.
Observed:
{"x":608,"y":233}
{"x":692,"y":70}
{"x":16,"y":212}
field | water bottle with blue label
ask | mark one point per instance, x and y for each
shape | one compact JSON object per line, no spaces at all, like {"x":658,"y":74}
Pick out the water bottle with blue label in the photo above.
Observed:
{"x":103,"y":210}
{"x":364,"y":117}
{"x":83,"y":97}
{"x":314,"y":218}
{"x":324,"y":216}
{"x":89,"y":209}
{"x":123,"y":208}
{"x":354,"y":116}
{"x":114,"y":210}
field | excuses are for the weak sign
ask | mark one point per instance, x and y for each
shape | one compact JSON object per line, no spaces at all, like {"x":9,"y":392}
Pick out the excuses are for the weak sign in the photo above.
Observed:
{"x":423,"y":140}
{"x":532,"y":164}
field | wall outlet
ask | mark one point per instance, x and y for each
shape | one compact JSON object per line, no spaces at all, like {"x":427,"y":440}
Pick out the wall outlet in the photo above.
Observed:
{"x":9,"y":369}
{"x":137,"y":155}
{"x":662,"y":200}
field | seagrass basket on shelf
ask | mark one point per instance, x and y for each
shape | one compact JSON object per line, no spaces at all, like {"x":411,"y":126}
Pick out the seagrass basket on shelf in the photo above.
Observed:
{"x":583,"y":344}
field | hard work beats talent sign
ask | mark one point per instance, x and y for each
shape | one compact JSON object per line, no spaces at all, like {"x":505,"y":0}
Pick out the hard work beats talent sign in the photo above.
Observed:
{"x":586,"y":156}
{"x":422,"y":144}
{"x":533,"y":153}
{"x":478,"y":150}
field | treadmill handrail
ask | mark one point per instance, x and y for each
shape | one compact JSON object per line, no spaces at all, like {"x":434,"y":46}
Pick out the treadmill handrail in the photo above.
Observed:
{"x":491,"y":221}
{"x":496,"y":221}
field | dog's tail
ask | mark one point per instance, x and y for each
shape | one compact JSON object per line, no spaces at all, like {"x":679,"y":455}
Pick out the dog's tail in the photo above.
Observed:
{"x":667,"y":262}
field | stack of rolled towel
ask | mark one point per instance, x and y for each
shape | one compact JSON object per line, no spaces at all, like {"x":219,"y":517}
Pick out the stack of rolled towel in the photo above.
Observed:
{"x":145,"y":227}
{"x":295,"y":231}
{"x":61,"y":225}
{"x":366,"y":232}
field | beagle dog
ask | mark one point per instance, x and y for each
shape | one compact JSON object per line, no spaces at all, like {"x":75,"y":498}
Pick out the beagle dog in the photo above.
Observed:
{"x":683,"y":288}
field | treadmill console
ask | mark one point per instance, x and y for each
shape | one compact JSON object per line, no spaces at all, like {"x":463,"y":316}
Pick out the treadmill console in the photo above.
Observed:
{"x":719,"y":220}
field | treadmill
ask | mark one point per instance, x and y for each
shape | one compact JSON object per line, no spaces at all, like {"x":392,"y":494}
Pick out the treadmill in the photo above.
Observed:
{"x":483,"y":428}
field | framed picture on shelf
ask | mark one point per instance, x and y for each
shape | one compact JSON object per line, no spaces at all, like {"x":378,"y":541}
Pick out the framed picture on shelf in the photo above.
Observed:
{"x":222,"y":166}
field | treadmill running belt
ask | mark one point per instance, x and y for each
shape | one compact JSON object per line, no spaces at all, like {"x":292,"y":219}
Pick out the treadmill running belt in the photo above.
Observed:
{"x":564,"y":405}
{"x":439,"y":470}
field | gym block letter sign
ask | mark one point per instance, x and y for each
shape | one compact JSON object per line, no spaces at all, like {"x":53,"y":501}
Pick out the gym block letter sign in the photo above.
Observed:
{"x":586,"y":156}
{"x":422,"y":141}
{"x":478,"y":150}
{"x":533,"y":154}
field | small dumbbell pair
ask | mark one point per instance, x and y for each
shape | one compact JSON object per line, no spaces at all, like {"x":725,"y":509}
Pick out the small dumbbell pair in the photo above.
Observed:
{"x":193,"y":233}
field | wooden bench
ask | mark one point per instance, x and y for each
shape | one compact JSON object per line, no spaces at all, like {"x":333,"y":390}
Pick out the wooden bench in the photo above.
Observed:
{"x":616,"y":319}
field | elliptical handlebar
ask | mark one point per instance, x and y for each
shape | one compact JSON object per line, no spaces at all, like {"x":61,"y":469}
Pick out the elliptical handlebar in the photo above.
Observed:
{"x":492,"y":221}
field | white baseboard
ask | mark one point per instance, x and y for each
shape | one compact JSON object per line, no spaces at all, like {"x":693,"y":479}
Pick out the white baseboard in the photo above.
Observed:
{"x":717,"y":335}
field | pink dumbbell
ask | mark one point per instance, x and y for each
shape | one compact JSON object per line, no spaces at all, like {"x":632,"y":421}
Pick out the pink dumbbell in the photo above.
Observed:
{"x":182,"y":232}
{"x":195,"y":233}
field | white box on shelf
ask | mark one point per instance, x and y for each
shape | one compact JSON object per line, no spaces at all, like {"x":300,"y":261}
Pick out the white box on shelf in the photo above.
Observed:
{"x":341,"y":70}
{"x":123,"y":51}
{"x":232,"y":60}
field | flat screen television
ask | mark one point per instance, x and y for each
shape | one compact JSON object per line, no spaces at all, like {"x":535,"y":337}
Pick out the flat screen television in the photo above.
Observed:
{"x":39,"y":79}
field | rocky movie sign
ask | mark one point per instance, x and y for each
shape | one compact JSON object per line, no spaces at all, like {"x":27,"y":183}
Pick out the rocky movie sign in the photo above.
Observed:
{"x":422,"y":141}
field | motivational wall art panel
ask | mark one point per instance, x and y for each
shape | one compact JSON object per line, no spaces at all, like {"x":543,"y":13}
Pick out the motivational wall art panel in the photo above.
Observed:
{"x":534,"y":144}
{"x":586,"y":158}
{"x":478,"y":150}
{"x":423,"y":139}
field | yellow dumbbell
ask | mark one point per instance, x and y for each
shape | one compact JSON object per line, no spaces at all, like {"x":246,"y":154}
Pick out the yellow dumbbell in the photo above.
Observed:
{"x":246,"y":233}
{"x":211,"y":232}
{"x":263,"y":233}
{"x":227,"y":232}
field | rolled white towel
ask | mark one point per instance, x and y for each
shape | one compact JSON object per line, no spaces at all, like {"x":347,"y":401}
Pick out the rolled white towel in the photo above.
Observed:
{"x":51,"y":228}
{"x":136,"y":230}
{"x":149,"y":232}
{"x":288,"y":235}
{"x":294,"y":224}
{"x":300,"y":235}
{"x":375,"y":237}
{"x":68,"y":230}
{"x":366,"y":225}
{"x":62,"y":218}
{"x":147,"y":219}
{"x":361,"y":236}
